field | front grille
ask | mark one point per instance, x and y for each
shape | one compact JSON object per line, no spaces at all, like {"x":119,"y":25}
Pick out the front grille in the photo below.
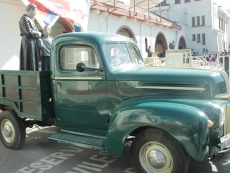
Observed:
{"x":227,"y":121}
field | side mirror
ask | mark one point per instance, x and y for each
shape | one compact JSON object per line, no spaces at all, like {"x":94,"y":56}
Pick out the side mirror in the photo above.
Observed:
{"x":80,"y":67}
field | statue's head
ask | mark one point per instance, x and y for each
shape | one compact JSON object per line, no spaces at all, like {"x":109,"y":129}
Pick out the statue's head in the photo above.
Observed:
{"x":31,"y":10}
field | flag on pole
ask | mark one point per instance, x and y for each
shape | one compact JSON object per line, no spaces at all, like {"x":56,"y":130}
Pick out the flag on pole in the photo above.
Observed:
{"x":75,"y":12}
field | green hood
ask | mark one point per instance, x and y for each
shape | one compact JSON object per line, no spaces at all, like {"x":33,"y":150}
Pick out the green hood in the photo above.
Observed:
{"x":173,"y":82}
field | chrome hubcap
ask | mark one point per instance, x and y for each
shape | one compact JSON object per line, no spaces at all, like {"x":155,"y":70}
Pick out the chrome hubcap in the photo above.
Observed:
{"x":156,"y":159}
{"x":8,"y":131}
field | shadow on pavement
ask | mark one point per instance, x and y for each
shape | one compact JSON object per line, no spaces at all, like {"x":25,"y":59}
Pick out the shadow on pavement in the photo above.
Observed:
{"x":199,"y":167}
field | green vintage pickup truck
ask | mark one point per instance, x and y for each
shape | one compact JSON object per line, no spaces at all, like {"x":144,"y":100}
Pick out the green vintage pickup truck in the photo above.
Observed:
{"x":101,"y":95}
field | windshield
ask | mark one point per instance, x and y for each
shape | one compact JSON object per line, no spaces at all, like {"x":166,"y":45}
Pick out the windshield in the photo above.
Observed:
{"x":120,"y":54}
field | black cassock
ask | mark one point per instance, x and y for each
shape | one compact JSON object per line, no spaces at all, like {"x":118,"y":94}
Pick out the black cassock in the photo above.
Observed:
{"x":29,"y":51}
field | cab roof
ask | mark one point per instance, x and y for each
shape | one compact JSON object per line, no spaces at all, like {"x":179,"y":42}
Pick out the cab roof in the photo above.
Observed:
{"x":94,"y":37}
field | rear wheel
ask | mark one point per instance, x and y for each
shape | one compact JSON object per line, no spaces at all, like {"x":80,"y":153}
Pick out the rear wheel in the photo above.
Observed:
{"x":12,"y":130}
{"x":154,"y":151}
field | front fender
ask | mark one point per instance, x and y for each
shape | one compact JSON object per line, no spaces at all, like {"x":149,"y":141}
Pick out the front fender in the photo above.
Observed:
{"x":187,"y":124}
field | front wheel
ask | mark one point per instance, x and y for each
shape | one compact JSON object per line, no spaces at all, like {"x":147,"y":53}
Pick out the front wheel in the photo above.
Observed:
{"x":12,"y":130}
{"x":154,"y":151}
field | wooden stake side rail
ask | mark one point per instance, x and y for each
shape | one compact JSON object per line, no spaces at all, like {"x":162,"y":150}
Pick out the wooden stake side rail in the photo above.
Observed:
{"x":29,"y":92}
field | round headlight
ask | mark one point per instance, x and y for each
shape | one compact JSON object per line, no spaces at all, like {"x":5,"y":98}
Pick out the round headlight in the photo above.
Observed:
{"x":222,"y":116}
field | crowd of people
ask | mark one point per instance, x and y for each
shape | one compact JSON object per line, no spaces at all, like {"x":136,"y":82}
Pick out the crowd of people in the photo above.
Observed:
{"x":35,"y":46}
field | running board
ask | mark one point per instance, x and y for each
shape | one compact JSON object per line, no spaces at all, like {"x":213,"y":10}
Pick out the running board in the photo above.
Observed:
{"x":79,"y":140}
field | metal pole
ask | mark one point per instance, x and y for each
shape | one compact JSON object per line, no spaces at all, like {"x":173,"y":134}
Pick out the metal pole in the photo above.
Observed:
{"x":218,"y":62}
{"x":160,"y":12}
{"x":228,"y":72}
{"x":148,"y":10}
{"x":134,"y":7}
{"x":223,"y":63}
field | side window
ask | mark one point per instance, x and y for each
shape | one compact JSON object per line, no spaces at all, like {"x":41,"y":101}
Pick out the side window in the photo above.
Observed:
{"x":70,"y":56}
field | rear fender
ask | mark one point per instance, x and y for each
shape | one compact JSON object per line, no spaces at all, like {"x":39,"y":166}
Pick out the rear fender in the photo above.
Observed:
{"x":11,"y":104}
{"x":187,"y":124}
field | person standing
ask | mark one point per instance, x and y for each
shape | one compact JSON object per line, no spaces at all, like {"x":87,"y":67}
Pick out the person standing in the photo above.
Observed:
{"x":150,"y":52}
{"x":30,"y":35}
{"x":44,"y":44}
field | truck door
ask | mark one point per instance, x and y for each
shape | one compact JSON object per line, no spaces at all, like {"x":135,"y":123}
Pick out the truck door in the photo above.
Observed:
{"x":80,"y":96}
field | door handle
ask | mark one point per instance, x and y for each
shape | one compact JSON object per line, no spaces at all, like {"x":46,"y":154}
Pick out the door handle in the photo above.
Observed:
{"x":58,"y":86}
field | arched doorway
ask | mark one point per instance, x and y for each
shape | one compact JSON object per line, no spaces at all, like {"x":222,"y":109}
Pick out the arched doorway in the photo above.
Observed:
{"x":68,"y":27}
{"x":182,"y":43}
{"x":127,"y":32}
{"x":161,"y":44}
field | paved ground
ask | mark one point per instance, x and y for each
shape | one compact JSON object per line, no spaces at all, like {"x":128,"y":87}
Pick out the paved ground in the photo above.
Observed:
{"x":39,"y":155}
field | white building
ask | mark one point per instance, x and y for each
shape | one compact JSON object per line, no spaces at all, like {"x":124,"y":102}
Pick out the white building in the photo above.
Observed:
{"x":146,"y":28}
{"x":228,"y":31}
{"x":204,"y":23}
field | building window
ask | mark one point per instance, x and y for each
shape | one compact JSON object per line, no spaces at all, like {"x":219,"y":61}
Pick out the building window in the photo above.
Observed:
{"x":226,"y":27}
{"x":203,"y":39}
{"x":198,"y":38}
{"x":177,"y":1}
{"x":222,"y":22}
{"x":193,"y":37}
{"x":219,"y":23}
{"x":203,"y":20}
{"x":198,"y":20}
{"x":193,"y":21}
{"x":186,"y":0}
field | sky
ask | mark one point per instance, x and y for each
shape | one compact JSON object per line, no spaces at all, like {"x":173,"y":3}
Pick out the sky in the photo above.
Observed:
{"x":225,"y":4}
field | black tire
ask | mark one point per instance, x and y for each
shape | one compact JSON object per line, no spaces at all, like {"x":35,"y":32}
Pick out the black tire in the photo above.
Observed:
{"x":154,"y":151}
{"x":12,"y":130}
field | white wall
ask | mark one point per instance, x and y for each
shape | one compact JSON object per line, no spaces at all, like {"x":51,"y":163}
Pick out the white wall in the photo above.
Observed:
{"x":215,"y":20}
{"x":10,"y":39}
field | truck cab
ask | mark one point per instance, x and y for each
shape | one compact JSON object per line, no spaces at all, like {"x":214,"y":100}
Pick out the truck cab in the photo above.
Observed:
{"x":101,"y":95}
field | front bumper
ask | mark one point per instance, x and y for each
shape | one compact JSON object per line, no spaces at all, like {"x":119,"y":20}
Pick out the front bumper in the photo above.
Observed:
{"x":224,"y":149}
